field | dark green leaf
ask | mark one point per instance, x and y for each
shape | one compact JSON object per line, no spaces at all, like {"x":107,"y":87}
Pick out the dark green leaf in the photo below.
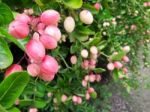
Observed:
{"x":6,"y":15}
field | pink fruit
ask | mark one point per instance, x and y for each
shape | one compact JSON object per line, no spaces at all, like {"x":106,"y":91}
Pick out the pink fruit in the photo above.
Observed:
{"x":84,"y":83}
{"x":97,"y":6}
{"x":86,"y":78}
{"x":125,"y":59}
{"x":79,"y":100}
{"x":18,"y":29}
{"x":92,"y":77}
{"x":118,"y":65}
{"x":47,"y":76}
{"x":34,"y":22}
{"x":92,"y":62}
{"x":54,"y":32}
{"x":125,"y":70}
{"x":98,"y":78}
{"x":33,"y":69}
{"x":40,"y":26}
{"x":13,"y":68}
{"x":49,"y":65}
{"x":64,"y":98}
{"x":23,"y":18}
{"x":145,"y":4}
{"x":87,"y":96}
{"x":33,"y":110}
{"x":48,"y":41}
{"x":75,"y":99}
{"x":73,"y":59}
{"x":49,"y":94}
{"x":90,"y":90}
{"x":85,"y":64}
{"x":35,"y":50}
{"x":50,"y":17}
{"x":110,"y":66}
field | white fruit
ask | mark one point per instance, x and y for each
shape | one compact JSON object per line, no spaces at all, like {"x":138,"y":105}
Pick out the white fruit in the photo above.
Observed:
{"x":69,"y":24}
{"x":86,"y":17}
{"x":84,"y":53}
{"x":94,"y":50}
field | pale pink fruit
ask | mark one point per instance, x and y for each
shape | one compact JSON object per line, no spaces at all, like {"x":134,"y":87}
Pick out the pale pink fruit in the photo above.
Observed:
{"x":33,"y":110}
{"x":92,"y":77}
{"x":86,"y":17}
{"x":84,"y":53}
{"x":48,"y":41}
{"x":18,"y":29}
{"x":86,"y":78}
{"x":84,"y":83}
{"x":75,"y":99}
{"x":125,"y":70}
{"x":49,"y":94}
{"x":50,"y":17}
{"x":94,"y":50}
{"x":110,"y":66}
{"x":79,"y":100}
{"x":85,"y":64}
{"x":125,"y":59}
{"x":145,"y":4}
{"x":97,"y":6}
{"x":98,"y":78}
{"x":35,"y":50}
{"x":13,"y":68}
{"x":23,"y":18}
{"x":64,"y":98}
{"x":49,"y":65}
{"x":133,"y":27}
{"x":69,"y":24}
{"x":118,"y":65}
{"x":87,"y":96}
{"x":33,"y":69}
{"x":126,"y":49}
{"x":53,"y":31}
{"x":90,"y":90}
{"x":73,"y":59}
{"x":36,"y":36}
{"x":17,"y":102}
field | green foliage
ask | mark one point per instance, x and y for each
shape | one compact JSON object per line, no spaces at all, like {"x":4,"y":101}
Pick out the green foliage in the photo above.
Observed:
{"x":12,"y":87}
{"x":6,"y":57}
{"x":6,"y":15}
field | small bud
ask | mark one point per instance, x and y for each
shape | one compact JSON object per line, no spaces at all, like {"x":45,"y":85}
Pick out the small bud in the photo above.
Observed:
{"x":97,"y":6}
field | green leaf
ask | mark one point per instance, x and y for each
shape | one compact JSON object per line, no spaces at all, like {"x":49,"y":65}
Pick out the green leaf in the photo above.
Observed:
{"x":74,"y":4}
{"x":6,"y":15}
{"x":93,"y":95}
{"x":12,"y":87}
{"x":34,"y":103}
{"x":2,"y":109}
{"x":6,"y":57}
{"x":14,"y":109}
{"x":20,"y":43}
{"x":99,"y":70}
{"x":118,"y":57}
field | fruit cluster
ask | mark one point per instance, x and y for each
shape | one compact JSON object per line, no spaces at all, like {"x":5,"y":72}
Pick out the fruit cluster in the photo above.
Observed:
{"x":45,"y":35}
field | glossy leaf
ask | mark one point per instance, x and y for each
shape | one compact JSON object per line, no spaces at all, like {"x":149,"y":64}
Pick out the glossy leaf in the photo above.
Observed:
{"x":6,"y":57}
{"x":12,"y":87}
{"x":75,"y":4}
{"x":6,"y":15}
